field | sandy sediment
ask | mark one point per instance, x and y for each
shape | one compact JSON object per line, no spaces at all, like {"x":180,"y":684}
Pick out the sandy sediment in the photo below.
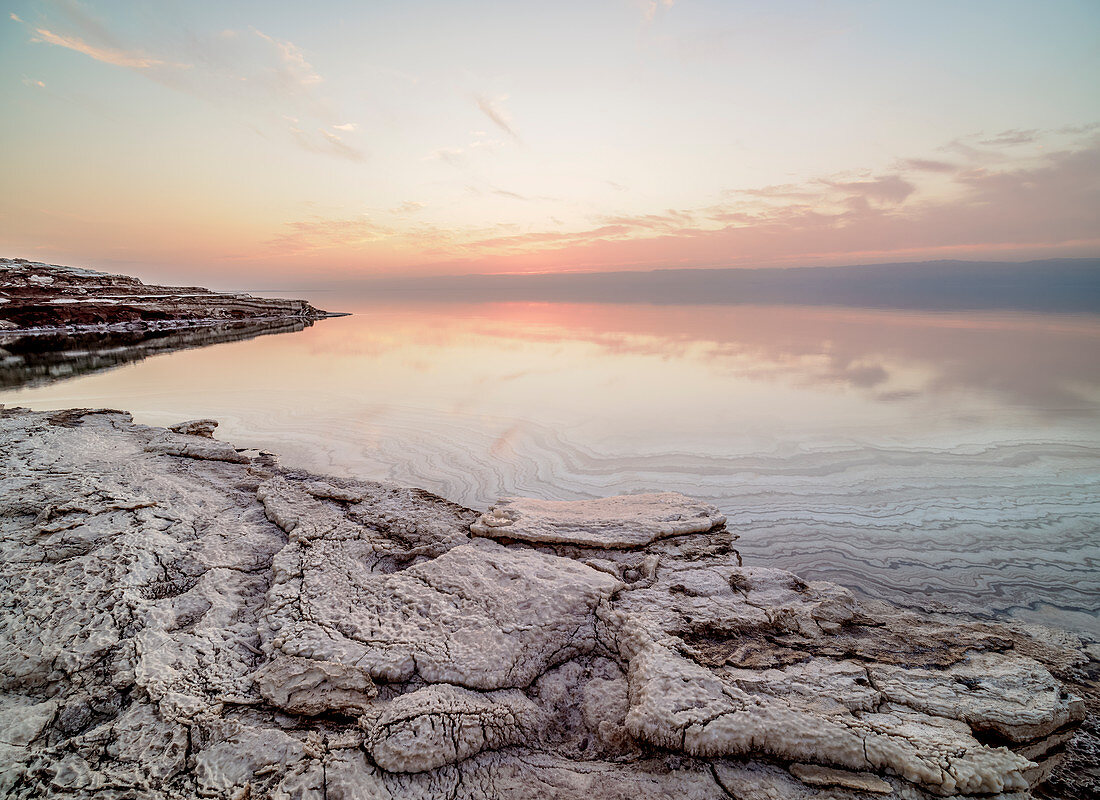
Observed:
{"x":185,"y":619}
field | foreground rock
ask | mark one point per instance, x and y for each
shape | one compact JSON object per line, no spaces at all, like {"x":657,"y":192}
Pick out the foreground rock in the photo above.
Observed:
{"x":187,"y":620}
{"x":46,"y":298}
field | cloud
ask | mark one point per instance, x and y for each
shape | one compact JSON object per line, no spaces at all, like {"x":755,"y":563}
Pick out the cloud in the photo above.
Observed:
{"x":259,"y":78}
{"x":33,"y":82}
{"x":496,"y":112}
{"x":1012,"y":137}
{"x":1036,"y":206}
{"x":1043,"y":206}
{"x":408,"y":207}
{"x":106,"y":55}
{"x":511,"y":195}
{"x":781,"y":190}
{"x":322,"y":234}
{"x":451,"y":155}
{"x":459,"y":155}
{"x":15,"y":17}
{"x":886,"y":189}
{"x":928,"y":165}
{"x":668,"y":221}
{"x":521,"y":241}
{"x":998,"y":148}
{"x":486,"y":144}
{"x":1079,"y":129}
{"x":326,"y":143}
{"x":293,"y":60}
{"x":650,"y":8}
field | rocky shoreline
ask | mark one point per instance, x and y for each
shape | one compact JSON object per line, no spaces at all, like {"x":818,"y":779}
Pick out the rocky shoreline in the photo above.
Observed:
{"x":46,"y":299}
{"x":186,"y":619}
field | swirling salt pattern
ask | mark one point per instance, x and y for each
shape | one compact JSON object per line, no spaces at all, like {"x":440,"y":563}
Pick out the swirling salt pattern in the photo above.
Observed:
{"x":1002,"y":527}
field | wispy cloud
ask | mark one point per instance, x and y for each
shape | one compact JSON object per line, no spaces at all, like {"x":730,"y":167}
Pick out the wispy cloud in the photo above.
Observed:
{"x":927,"y":165}
{"x":108,"y":56}
{"x":450,"y":155}
{"x":322,"y":234}
{"x":651,"y":7}
{"x":510,"y":195}
{"x":326,"y":143}
{"x":670,"y":220}
{"x":978,"y":147}
{"x":1012,"y":137}
{"x":925,"y":209}
{"x":293,"y":60}
{"x":255,"y":76}
{"x":1078,"y":130}
{"x":494,"y":109}
{"x":884,"y":189}
{"x":788,"y":191}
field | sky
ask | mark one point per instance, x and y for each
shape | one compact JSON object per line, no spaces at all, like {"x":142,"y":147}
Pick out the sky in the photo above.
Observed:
{"x":257,"y":144}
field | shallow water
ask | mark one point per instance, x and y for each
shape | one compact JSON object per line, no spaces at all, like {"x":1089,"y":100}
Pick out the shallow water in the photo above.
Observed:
{"x":919,"y":456}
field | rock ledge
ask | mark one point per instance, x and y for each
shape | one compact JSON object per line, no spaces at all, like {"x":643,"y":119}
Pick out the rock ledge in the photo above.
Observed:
{"x":46,"y":298}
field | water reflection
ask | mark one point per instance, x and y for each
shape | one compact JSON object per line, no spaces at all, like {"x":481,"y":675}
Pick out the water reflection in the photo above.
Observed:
{"x":1046,"y":363}
{"x":36,"y":360}
{"x":922,"y":456}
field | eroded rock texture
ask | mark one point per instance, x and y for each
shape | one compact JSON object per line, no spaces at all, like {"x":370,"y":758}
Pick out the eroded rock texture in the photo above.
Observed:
{"x":47,"y":297}
{"x":182,"y":619}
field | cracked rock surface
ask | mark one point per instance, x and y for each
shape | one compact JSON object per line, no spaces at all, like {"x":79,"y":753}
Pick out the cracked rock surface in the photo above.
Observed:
{"x":183,"y":619}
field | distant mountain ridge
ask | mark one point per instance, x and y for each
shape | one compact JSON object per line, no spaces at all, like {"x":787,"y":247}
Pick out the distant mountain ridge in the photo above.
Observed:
{"x":1053,"y":285}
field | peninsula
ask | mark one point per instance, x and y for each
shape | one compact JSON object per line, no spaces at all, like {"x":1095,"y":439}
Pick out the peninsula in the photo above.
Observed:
{"x":48,"y":299}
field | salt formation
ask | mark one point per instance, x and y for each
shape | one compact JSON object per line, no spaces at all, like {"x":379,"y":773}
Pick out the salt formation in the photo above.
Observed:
{"x":184,"y":619}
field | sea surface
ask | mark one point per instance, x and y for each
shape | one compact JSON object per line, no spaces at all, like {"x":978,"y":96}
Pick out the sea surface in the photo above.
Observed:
{"x":927,"y":457}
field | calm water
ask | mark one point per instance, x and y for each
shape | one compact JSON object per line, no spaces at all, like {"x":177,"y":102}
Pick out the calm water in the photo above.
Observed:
{"x":923,"y":457}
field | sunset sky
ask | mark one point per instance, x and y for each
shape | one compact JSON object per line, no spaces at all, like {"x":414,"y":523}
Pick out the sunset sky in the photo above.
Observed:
{"x":256,"y":144}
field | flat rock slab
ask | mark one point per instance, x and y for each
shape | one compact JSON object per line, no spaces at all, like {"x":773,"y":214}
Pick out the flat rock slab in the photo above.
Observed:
{"x":479,"y":615}
{"x":626,"y":521}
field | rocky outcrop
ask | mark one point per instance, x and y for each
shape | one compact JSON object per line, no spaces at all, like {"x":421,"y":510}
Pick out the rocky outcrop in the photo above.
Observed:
{"x":49,"y":298}
{"x":189,"y":620}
